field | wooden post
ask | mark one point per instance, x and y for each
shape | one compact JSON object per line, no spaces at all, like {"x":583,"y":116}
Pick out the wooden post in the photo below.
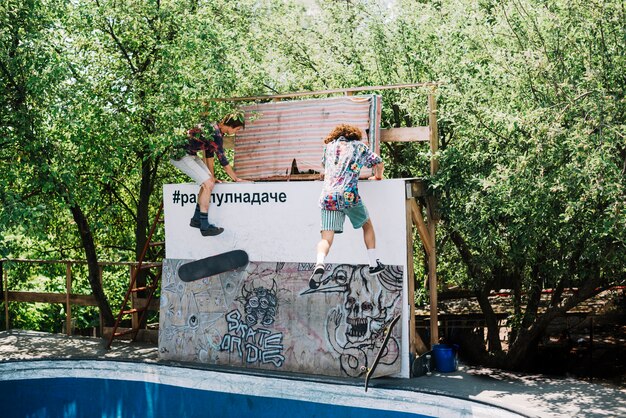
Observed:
{"x":68,"y":291}
{"x":416,"y":345}
{"x":6,"y":299}
{"x":410,"y":276}
{"x":432,"y":258}
{"x":101,"y":320}
{"x":434,"y":132}
{"x":134,"y":301}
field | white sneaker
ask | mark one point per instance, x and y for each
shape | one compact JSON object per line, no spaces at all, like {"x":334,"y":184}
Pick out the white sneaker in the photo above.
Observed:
{"x":316,"y":277}
{"x":378,"y":269}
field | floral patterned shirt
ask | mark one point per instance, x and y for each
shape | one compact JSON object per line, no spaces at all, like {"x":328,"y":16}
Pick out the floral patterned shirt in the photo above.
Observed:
{"x":342,"y":163}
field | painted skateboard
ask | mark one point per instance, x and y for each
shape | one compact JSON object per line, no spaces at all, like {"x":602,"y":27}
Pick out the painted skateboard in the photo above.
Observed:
{"x":423,"y":365}
{"x":369,"y":371}
{"x":210,"y":266}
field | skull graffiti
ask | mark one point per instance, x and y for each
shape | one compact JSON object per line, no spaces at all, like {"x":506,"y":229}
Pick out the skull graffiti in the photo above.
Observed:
{"x":364,"y":307}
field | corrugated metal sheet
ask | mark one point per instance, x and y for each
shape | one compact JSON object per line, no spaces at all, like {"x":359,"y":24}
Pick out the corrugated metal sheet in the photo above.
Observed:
{"x":277,"y":133}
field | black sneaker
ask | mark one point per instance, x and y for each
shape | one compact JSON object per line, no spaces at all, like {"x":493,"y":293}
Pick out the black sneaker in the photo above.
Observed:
{"x":316,"y":277}
{"x":211,"y":231}
{"x":194,"y":223}
{"x":378,"y":269}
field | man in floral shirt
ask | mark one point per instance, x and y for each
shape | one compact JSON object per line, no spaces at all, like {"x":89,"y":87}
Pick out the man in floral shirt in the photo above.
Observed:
{"x":344,"y":156}
{"x":201,"y":170}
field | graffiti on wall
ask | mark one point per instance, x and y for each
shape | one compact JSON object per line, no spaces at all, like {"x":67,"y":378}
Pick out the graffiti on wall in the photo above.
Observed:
{"x":246,"y":333}
{"x":355,"y":329}
{"x":266,"y":316}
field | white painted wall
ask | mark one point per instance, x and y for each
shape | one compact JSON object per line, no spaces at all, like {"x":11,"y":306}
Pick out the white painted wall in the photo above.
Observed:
{"x":288,"y":230}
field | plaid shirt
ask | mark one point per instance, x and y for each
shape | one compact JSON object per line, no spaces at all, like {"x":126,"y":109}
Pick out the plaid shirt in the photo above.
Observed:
{"x":214,"y":144}
{"x":342,"y":163}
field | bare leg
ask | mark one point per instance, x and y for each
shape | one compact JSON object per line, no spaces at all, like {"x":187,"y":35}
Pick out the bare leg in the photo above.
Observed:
{"x":376,"y":267}
{"x":204,"y":199}
{"x":204,"y":196}
{"x":323,"y":247}
{"x":326,"y":242}
{"x":368,"y":235}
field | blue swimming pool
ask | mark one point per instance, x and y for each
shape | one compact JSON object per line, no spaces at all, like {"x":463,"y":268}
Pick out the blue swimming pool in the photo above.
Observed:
{"x":109,"y":389}
{"x":80,"y":397}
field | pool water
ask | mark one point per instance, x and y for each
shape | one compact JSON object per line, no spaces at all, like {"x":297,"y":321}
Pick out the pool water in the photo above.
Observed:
{"x":113,"y":389}
{"x":81,"y":397}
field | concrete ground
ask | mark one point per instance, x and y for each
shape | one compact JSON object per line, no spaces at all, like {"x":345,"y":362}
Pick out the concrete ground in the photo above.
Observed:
{"x":531,"y":395}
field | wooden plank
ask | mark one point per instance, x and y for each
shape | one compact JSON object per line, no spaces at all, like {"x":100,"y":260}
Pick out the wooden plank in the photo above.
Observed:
{"x":291,"y":177}
{"x":42,"y":297}
{"x":68,"y":305}
{"x":133,"y":299}
{"x":432,"y":222}
{"x":6,"y":300}
{"x":100,"y":317}
{"x":434,"y":133}
{"x":422,"y":229}
{"x":414,"y":134}
{"x":432,"y":284}
{"x":345,"y":91}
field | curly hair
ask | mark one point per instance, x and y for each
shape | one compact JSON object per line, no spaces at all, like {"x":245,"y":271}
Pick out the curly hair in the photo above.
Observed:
{"x":350,"y":132}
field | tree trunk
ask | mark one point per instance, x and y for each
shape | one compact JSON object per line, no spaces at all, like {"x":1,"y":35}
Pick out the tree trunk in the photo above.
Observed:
{"x":143,"y":215}
{"x":528,"y":338}
{"x":143,"y":208}
{"x":92,"y":264}
{"x":493,"y":331}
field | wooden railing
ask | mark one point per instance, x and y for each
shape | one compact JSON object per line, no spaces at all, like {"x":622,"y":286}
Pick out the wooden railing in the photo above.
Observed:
{"x":67,"y":298}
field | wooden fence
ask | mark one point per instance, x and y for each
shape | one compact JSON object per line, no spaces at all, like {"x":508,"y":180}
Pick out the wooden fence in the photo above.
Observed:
{"x":67,"y":298}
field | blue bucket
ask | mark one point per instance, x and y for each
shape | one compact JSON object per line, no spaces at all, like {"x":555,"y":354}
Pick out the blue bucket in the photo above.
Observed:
{"x":445,"y":357}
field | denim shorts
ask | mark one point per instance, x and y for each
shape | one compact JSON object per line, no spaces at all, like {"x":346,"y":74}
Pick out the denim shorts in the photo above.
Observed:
{"x":332,"y":220}
{"x":194,"y":167}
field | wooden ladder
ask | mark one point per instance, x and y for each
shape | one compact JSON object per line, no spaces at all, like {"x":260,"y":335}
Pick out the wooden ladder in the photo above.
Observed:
{"x":149,"y":288}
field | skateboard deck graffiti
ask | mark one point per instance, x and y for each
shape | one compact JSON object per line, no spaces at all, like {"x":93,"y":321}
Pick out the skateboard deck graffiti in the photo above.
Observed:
{"x":210,"y":266}
{"x":369,"y":371}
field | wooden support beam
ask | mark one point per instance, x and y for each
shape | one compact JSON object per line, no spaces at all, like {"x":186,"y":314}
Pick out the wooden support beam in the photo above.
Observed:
{"x":133,"y":302}
{"x":434,"y":132}
{"x":432,"y":287}
{"x":100,"y":317}
{"x":345,"y":91}
{"x":68,"y":305}
{"x":43,"y":297}
{"x":422,"y":229}
{"x":432,"y":219}
{"x":5,"y":284}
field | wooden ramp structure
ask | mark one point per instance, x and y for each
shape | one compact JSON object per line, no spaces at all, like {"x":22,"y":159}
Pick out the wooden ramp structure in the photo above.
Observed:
{"x":266,"y":316}
{"x":296,"y":126}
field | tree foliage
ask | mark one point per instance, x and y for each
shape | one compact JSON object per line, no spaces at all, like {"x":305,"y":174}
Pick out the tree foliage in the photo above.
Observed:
{"x":531,"y":119}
